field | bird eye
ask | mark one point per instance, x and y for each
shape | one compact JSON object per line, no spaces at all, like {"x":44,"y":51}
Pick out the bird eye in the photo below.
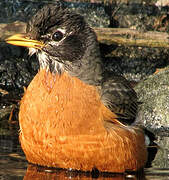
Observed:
{"x":57,"y":36}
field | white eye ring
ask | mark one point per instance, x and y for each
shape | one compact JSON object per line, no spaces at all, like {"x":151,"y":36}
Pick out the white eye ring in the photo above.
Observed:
{"x":62,"y":30}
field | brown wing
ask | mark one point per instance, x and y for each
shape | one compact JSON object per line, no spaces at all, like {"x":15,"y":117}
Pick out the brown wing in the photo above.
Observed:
{"x":119,"y":97}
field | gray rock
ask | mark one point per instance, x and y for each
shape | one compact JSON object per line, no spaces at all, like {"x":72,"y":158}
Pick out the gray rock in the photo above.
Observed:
{"x":162,"y":157}
{"x":94,"y":13}
{"x":153,"y":95}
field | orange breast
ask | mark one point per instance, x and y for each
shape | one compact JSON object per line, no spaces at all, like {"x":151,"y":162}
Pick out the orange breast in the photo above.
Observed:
{"x":62,"y":123}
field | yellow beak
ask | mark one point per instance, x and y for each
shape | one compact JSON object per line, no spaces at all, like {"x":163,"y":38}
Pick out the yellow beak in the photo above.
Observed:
{"x":23,"y":40}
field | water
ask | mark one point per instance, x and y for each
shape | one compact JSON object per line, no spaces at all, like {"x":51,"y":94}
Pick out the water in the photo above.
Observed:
{"x":13,"y":166}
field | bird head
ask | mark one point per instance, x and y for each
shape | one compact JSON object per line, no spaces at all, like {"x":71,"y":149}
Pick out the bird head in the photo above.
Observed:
{"x":62,"y":40}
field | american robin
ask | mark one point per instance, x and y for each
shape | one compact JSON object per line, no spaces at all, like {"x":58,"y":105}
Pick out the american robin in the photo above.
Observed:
{"x":69,"y":115}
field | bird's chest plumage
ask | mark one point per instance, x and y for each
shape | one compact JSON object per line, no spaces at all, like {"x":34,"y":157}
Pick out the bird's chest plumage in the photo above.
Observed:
{"x":59,"y":105}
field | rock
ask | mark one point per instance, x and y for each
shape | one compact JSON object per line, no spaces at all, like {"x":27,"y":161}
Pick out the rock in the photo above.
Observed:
{"x":95,"y":13}
{"x":162,"y":157}
{"x":153,"y":94}
{"x":17,"y":72}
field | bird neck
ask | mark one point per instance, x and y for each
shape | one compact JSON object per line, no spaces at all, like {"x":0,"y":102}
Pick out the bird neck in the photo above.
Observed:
{"x":88,"y":69}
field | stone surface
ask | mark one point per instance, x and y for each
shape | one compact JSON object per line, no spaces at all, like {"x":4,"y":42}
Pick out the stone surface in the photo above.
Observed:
{"x":153,"y":93}
{"x":12,"y":10}
{"x":162,"y":157}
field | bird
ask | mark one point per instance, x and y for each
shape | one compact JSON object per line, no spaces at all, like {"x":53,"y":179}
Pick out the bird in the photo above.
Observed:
{"x":74,"y":114}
